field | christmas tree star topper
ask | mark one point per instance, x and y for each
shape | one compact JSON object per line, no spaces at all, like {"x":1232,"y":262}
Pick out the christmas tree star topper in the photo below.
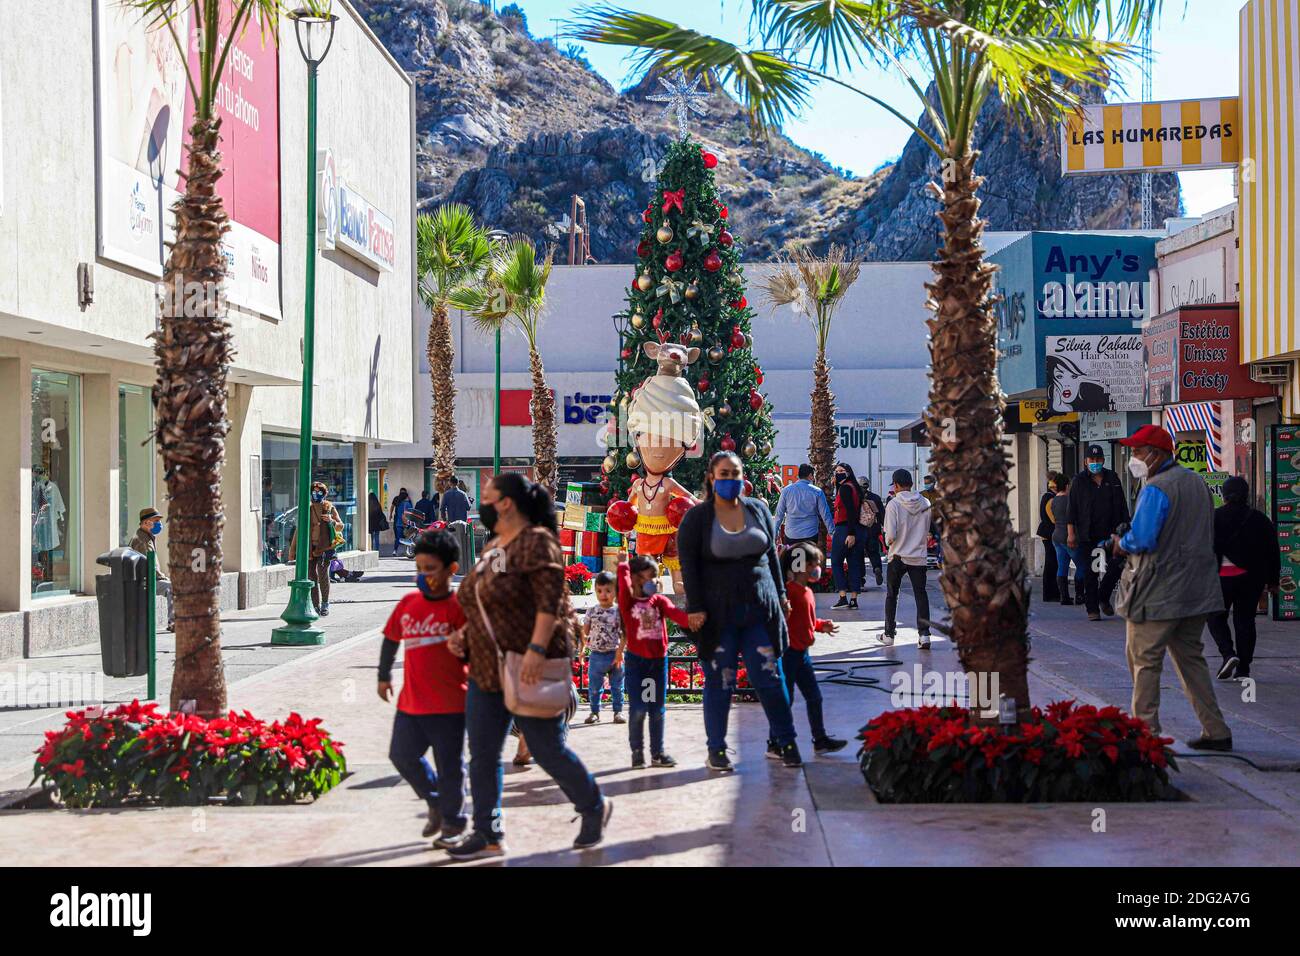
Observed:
{"x":681,"y":97}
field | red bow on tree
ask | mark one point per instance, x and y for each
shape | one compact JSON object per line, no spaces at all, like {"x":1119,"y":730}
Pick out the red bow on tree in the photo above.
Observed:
{"x":674,"y":199}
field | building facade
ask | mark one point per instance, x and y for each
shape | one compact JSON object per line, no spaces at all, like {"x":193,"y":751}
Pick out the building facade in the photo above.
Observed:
{"x":91,"y":128}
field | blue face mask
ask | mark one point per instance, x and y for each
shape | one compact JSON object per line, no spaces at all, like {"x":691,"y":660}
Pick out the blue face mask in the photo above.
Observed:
{"x":650,"y":588}
{"x":155,"y":528}
{"x":728,"y":489}
{"x":1096,"y":467}
{"x":317,"y":496}
{"x":423,"y":585}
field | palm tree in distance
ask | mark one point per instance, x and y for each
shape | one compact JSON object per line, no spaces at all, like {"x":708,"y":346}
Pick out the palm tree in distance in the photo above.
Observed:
{"x":513,"y":290}
{"x":192,"y":347}
{"x":451,"y":252}
{"x":1033,"y":55}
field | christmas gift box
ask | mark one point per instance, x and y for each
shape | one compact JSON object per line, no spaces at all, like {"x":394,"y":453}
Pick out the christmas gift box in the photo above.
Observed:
{"x":592,"y":543}
{"x":573,"y":493}
{"x":610,"y":558}
{"x":566,"y":536}
{"x":595,"y":521}
{"x":575,"y":517}
{"x":593,"y":564}
{"x":613,"y":539}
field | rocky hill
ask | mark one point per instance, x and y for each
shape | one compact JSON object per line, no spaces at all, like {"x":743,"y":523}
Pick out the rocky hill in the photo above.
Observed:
{"x":514,"y":127}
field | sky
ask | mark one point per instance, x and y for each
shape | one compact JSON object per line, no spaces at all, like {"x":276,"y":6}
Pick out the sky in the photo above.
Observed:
{"x":1194,"y":50}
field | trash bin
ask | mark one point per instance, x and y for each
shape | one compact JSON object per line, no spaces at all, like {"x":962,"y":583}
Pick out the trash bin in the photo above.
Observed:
{"x":123,"y":597}
{"x":460,"y":531}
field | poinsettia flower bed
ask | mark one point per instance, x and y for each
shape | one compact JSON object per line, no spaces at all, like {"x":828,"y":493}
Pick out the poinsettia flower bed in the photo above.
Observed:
{"x":1068,"y":752}
{"x":134,"y":754}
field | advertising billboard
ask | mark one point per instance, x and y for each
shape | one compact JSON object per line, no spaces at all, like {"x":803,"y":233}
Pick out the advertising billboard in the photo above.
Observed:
{"x":1192,"y":355}
{"x":1176,"y":135}
{"x":1094,"y":373}
{"x":145,"y":111}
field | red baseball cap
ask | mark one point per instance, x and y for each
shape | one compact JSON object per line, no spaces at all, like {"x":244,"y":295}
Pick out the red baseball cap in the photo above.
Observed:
{"x":1152,"y":435}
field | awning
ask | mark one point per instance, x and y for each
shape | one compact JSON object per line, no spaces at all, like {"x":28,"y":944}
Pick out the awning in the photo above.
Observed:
{"x":914,"y":433}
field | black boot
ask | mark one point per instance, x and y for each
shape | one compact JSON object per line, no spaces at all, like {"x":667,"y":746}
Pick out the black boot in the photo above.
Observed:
{"x":1063,"y":585}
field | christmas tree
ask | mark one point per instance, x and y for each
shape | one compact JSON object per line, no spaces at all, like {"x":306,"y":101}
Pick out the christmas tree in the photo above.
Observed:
{"x":689,"y":289}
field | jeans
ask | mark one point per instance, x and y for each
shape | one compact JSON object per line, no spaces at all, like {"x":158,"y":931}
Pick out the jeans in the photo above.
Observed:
{"x":318,"y":569}
{"x":399,"y":529}
{"x":1051,"y":563}
{"x":413,"y":735}
{"x":600,"y":663}
{"x":841,"y":553}
{"x":1240,"y":598}
{"x":1063,"y":558}
{"x":871,"y":549}
{"x":647,"y":692}
{"x":894,"y":582}
{"x":486,"y":723}
{"x":745,"y":636}
{"x":374,"y":540}
{"x":798,"y":669}
{"x":1098,"y":588}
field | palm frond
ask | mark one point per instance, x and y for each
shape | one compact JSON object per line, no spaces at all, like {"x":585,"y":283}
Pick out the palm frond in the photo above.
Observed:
{"x":451,"y":251}
{"x":835,"y":34}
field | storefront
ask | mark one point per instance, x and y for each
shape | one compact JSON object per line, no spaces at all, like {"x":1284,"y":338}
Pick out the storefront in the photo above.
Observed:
{"x":332,"y":463}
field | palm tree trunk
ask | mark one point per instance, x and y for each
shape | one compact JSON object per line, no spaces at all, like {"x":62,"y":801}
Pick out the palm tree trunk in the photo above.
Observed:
{"x":983,"y":575}
{"x":443,"y":382}
{"x":192,"y":348}
{"x":821,"y":433}
{"x":545,"y":435}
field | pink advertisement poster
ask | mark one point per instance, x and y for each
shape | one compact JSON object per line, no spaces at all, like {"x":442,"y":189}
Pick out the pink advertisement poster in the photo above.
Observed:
{"x":145,"y":111}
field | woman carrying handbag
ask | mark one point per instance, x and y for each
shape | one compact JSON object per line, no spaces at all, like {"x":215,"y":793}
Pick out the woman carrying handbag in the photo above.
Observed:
{"x":520,"y":634}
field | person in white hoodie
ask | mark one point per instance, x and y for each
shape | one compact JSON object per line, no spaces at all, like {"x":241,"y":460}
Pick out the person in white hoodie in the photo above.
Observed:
{"x":907,"y":533}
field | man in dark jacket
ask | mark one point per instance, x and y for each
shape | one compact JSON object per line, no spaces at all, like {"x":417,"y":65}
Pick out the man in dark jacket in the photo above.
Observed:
{"x":144,"y":541}
{"x":1097,"y":507}
{"x":1249,"y":561}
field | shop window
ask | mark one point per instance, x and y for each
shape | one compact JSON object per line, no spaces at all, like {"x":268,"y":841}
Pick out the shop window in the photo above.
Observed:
{"x":135,"y":463}
{"x":332,"y":463}
{"x":56,"y":483}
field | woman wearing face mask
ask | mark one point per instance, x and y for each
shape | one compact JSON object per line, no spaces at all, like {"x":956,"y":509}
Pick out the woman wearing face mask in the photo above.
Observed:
{"x":736,"y":602}
{"x":400,"y":506}
{"x":515,"y":599}
{"x":847,"y":546}
{"x":1046,"y":528}
{"x":323,"y":521}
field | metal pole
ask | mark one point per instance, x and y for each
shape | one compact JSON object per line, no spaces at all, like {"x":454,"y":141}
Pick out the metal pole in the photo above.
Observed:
{"x":496,"y":413}
{"x":152,"y":593}
{"x":299,"y":616}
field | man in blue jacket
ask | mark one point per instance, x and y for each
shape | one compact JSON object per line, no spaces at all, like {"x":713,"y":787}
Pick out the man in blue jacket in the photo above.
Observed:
{"x":1170,"y":584}
{"x":801,"y":508}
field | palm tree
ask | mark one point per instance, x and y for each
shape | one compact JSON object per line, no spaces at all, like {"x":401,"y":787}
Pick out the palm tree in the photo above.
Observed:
{"x":1034,"y":56}
{"x":513,"y":289}
{"x":451,"y":252}
{"x":815,"y":286}
{"x":192,"y":347}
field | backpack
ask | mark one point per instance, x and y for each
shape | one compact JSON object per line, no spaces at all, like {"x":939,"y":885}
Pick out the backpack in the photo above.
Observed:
{"x":868,"y":513}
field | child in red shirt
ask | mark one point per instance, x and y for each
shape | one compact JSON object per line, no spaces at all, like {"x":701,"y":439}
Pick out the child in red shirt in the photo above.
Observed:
{"x":645,"y":661}
{"x":431,"y":706}
{"x":802,"y":565}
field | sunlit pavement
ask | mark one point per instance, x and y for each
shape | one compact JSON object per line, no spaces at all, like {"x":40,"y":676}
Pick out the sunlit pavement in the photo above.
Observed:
{"x":764,"y":813}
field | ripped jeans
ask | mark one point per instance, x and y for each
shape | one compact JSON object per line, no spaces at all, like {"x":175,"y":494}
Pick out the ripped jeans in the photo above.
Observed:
{"x":744,"y":638}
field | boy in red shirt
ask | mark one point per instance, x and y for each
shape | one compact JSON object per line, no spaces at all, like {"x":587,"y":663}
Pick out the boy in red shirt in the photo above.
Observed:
{"x":431,"y":707}
{"x":801,"y":565}
{"x":645,"y":660}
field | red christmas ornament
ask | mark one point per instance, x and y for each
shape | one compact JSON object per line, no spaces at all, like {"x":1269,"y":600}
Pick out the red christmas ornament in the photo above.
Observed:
{"x":710,"y":160}
{"x":626,"y":354}
{"x":704,"y":383}
{"x":677,"y":509}
{"x":621,"y":516}
{"x":737,"y":338}
{"x":740,"y":303}
{"x":645,"y":216}
{"x":642,"y":249}
{"x":722,"y":210}
{"x":749,"y":488}
{"x":674,"y":261}
{"x":755,"y":399}
{"x":728,"y":443}
{"x":604,"y":486}
{"x":726,"y":239}
{"x":758,"y":375}
{"x":658,"y":320}
{"x":713,"y":262}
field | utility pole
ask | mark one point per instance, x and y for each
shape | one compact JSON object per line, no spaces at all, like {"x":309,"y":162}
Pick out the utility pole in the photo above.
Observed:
{"x":1148,"y":179}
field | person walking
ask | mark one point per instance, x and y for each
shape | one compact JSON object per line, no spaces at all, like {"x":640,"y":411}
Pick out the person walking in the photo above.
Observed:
{"x":144,"y":541}
{"x":1097,"y":507}
{"x":846,"y":538}
{"x":1058,"y":509}
{"x":872,"y":518}
{"x":455,"y":504}
{"x":427,"y":507}
{"x":397,"y":514}
{"x":1250,"y":562}
{"x":801,"y":510}
{"x":1046,"y":528}
{"x":515,"y":599}
{"x":324,"y":525}
{"x":1170,"y":585}
{"x":736,"y":606}
{"x":377,"y":522}
{"x":907,"y":532}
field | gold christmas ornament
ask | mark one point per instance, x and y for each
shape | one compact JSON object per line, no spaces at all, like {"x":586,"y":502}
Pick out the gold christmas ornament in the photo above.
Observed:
{"x":609,"y":464}
{"x":750,"y":449}
{"x":638,"y":318}
{"x":665,"y":233}
{"x":724,"y":410}
{"x":692,"y":291}
{"x":716,"y":354}
{"x":765,"y":448}
{"x":696,"y":335}
{"x":633,"y":461}
{"x":644,"y":282}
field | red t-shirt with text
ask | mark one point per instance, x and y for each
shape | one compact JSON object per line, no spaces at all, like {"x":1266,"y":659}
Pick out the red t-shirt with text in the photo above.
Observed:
{"x":434,"y":680}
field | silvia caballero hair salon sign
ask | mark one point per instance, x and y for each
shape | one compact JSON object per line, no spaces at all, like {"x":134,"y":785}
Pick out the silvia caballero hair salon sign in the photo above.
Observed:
{"x":1094,"y":373}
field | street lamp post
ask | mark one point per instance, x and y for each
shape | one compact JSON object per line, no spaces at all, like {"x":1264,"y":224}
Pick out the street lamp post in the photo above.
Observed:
{"x":315,"y":34}
{"x":497,"y":235}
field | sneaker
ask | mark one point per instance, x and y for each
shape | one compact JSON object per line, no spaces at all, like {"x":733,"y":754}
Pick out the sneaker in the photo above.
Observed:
{"x":880,"y":580}
{"x":841,"y":603}
{"x":638,"y":760}
{"x":475,"y":847}
{"x":719,"y":762}
{"x":1229,"y":669}
{"x":773,"y":751}
{"x":923,"y":642}
{"x":324,"y":610}
{"x":619,"y":718}
{"x":828,"y":745}
{"x":1107,"y":608}
{"x":790,"y":756}
{"x":1209,"y":743}
{"x":592,"y":719}
{"x":434,"y":821}
{"x":1067,"y":602}
{"x":592,"y":830}
{"x":853,"y":604}
{"x":662,"y":760}
{"x":1094,"y":616}
{"x":1243,"y":671}
{"x":886,"y":639}
{"x":450,"y":836}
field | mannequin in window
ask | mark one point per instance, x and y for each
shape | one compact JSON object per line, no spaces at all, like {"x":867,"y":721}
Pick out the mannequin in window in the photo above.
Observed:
{"x":48,"y":511}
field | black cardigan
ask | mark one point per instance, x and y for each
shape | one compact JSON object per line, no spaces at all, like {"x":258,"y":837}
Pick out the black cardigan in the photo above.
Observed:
{"x":1248,"y":539}
{"x":717,"y":586}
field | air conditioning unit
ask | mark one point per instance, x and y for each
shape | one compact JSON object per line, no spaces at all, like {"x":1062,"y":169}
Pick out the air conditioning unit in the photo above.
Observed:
{"x":1270,"y":373}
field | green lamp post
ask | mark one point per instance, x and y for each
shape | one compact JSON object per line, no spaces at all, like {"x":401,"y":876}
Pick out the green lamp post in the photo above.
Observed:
{"x":497,"y":235}
{"x":315,"y":35}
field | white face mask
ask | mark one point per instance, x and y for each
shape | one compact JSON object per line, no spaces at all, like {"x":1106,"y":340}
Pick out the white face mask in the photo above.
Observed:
{"x":1137,"y":468}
